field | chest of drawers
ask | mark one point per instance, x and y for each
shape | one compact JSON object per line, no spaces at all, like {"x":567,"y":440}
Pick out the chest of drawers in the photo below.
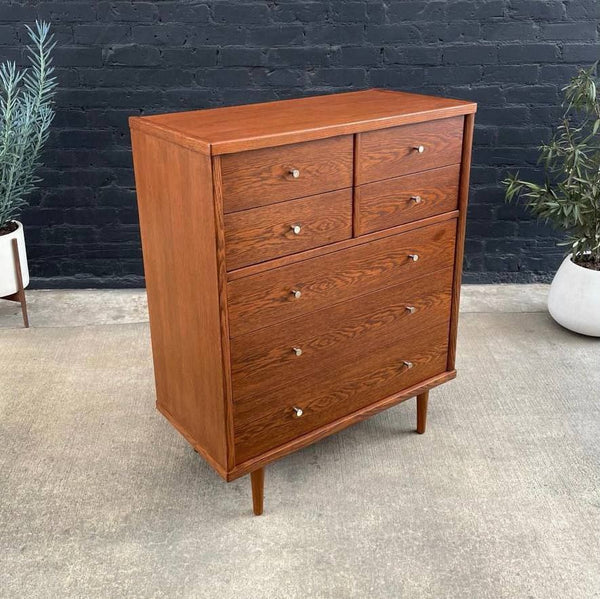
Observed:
{"x":303,"y":262}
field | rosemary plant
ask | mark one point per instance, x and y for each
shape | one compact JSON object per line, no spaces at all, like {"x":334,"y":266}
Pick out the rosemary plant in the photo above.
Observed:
{"x":569,"y":198}
{"x":26,"y":98}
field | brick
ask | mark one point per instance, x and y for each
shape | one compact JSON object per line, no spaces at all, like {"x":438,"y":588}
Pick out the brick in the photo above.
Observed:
{"x":471,"y":54}
{"x":536,"y":9}
{"x":528,"y":53}
{"x":133,"y":54}
{"x":569,"y":31}
{"x":235,"y":12}
{"x":360,"y":56}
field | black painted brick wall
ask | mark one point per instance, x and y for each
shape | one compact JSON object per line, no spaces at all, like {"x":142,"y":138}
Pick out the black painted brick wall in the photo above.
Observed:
{"x":120,"y":58}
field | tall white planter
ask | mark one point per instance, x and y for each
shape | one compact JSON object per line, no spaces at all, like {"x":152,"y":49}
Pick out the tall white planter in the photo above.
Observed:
{"x":8,"y":273}
{"x":574,"y":298}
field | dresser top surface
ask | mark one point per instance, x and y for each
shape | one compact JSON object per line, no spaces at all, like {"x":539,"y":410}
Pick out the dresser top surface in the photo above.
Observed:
{"x":251,"y":126}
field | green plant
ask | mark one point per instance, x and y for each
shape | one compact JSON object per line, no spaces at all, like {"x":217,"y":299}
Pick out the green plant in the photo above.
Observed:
{"x":26,"y":98}
{"x":570,"y":196}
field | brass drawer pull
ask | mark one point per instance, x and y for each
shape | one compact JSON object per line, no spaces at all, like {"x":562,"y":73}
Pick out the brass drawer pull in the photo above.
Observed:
{"x":408,"y":364}
{"x":296,"y":228}
{"x":298,"y":412}
{"x":295,"y":173}
{"x":297,"y":351}
{"x":296,"y":293}
{"x":419,"y":149}
{"x":411,"y":309}
{"x":413,"y":257}
{"x":416,"y":199}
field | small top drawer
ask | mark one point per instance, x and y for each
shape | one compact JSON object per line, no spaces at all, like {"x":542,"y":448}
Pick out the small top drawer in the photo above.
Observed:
{"x":409,"y":149}
{"x":270,"y":175}
{"x":259,"y":234}
{"x":384,"y":204}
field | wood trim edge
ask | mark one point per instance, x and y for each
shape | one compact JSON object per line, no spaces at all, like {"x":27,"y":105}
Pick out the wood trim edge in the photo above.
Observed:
{"x":223,"y":310}
{"x":201,"y":450}
{"x":144,"y":125}
{"x":339,"y":424}
{"x":461,"y":224}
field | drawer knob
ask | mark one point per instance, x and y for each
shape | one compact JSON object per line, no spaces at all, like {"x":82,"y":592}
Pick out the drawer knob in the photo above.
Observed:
{"x":295,"y":173}
{"x":419,"y":149}
{"x":413,"y":257}
{"x":408,"y":364}
{"x":411,"y":309}
{"x":296,"y":293}
{"x":295,"y":229}
{"x":298,"y":412}
{"x":416,"y":199}
{"x":297,"y":351}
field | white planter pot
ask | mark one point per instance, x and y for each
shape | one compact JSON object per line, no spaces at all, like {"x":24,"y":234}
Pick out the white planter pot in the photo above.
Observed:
{"x":574,"y":298}
{"x":8,"y":274}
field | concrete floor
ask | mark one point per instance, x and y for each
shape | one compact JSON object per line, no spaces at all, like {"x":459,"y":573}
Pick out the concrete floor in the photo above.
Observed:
{"x":100,"y":497}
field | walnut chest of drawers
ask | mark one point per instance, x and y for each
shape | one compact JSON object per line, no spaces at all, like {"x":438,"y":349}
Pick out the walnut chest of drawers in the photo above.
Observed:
{"x":303,"y":262}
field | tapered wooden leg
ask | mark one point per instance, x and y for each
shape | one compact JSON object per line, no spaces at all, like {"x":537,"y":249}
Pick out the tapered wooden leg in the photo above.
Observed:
{"x":258,"y":490}
{"x":422,"y":412}
{"x":19,"y":296}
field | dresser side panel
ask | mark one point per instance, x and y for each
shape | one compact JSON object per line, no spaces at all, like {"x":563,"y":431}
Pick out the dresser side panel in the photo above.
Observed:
{"x":463,"y":200}
{"x":177,"y":221}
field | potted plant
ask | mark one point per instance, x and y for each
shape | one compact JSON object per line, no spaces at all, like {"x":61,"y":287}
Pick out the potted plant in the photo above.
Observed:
{"x":570,"y":200}
{"x":26,"y":98}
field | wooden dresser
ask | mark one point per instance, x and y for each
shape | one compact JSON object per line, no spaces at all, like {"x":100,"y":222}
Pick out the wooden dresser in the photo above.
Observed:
{"x":303,"y":262}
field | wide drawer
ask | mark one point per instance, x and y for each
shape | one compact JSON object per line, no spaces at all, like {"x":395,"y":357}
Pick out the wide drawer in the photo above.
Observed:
{"x":270,"y":175}
{"x":260,"y":234}
{"x":283,"y":293}
{"x":393,"y":202}
{"x":311,"y":345}
{"x":266,"y":422}
{"x":408,"y":149}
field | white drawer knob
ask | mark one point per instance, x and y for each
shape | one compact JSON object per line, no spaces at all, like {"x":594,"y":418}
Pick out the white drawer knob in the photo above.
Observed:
{"x":416,"y":199}
{"x":297,"y":412}
{"x":295,"y":173}
{"x":408,"y":364}
{"x":419,"y":149}
{"x":413,"y":257}
{"x":411,"y":309}
{"x":297,"y":351}
{"x":296,"y":229}
{"x":296,"y":293}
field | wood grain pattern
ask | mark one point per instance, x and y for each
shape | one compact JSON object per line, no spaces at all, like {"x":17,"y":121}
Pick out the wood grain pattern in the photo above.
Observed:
{"x":263,"y":424}
{"x":338,"y":424}
{"x":463,"y":200}
{"x":262,"y":177}
{"x":266,"y":298}
{"x":270,"y":124}
{"x":264,"y":360}
{"x":260,"y":234}
{"x":391,"y":152}
{"x":175,"y":199}
{"x":392,"y":202}
{"x":255,"y":269}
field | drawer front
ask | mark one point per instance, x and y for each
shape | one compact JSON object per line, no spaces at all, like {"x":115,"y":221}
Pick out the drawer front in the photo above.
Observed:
{"x":260,"y":234}
{"x":393,"y":202}
{"x":314,"y":344}
{"x":270,"y":175}
{"x":394,"y":152}
{"x":267,"y":422}
{"x":280,"y":294}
